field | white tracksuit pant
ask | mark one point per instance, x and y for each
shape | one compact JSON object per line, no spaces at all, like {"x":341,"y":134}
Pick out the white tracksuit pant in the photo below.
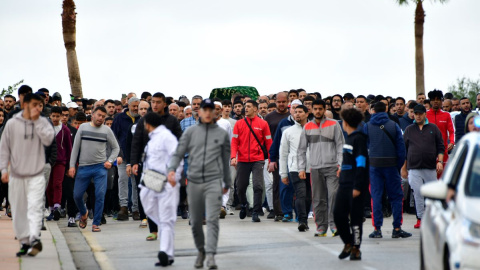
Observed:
{"x":162,"y":209}
{"x":26,"y":200}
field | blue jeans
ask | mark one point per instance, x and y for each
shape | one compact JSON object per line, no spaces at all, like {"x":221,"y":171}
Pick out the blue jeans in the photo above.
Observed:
{"x":388,"y":177}
{"x":84,"y":175}
{"x":286,"y":198}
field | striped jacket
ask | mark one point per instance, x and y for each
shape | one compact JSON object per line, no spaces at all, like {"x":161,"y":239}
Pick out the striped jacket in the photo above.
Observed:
{"x":324,"y":142}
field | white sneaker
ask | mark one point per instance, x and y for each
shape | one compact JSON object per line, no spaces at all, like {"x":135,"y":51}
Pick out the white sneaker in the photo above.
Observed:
{"x":46,"y":212}
{"x":229,"y":211}
{"x":310,"y":215}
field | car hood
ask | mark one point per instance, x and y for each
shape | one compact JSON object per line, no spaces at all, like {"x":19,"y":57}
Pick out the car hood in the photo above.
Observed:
{"x":470,"y":207}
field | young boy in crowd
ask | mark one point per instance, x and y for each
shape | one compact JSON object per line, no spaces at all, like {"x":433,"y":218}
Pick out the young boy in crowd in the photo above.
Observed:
{"x":353,"y":186}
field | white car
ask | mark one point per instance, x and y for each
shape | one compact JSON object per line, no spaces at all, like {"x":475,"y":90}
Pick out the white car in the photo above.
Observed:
{"x":450,"y":232}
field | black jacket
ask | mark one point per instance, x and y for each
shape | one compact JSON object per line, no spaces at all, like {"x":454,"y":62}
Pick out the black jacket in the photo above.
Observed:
{"x":354,"y":173}
{"x":423,"y":146}
{"x":140,"y":138}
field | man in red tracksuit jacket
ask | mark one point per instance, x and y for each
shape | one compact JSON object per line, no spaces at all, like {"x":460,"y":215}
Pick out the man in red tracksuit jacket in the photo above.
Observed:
{"x":443,"y":121}
{"x":249,"y":157}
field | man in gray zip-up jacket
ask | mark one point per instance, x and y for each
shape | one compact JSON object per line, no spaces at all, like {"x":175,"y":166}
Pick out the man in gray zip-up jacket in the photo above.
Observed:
{"x":324,"y":139}
{"x":23,"y":146}
{"x":208,"y":147}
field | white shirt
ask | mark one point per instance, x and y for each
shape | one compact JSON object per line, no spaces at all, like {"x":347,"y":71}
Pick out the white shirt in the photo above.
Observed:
{"x":225,"y":125}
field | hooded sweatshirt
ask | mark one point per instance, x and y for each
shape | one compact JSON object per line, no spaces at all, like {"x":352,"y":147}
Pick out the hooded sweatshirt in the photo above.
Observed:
{"x":23,"y":145}
{"x":64,"y":145}
{"x":208,"y":146}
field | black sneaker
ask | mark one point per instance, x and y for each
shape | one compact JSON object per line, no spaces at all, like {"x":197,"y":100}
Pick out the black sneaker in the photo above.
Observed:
{"x":249,"y":212}
{"x":63,"y":213}
{"x":35,"y":248}
{"x":271,"y":215}
{"x":43,"y":228}
{"x":163,"y":258}
{"x":278,"y":218}
{"x":400,"y":234}
{"x":185,"y":214}
{"x":23,"y":250}
{"x":376,"y":234}
{"x":103,"y":220}
{"x":255,"y":217}
{"x":56,"y":214}
{"x":243,"y":212}
{"x":302,"y":227}
{"x":367,"y":213}
{"x":347,"y":250}
{"x":50,"y":217}
{"x":356,"y":254}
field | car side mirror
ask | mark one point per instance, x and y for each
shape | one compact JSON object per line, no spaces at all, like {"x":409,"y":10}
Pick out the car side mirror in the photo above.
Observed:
{"x":436,"y":190}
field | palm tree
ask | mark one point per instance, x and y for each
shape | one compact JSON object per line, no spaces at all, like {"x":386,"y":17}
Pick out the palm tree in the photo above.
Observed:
{"x":69,"y":19}
{"x":419,"y":61}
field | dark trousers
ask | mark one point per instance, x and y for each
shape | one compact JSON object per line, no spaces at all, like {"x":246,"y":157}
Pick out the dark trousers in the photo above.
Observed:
{"x":4,"y":192}
{"x":346,"y":206}
{"x":303,"y":194}
{"x":388,"y":178}
{"x":69,"y":183}
{"x":151,"y":224}
{"x":243,"y":176}
{"x":277,"y":205}
{"x":286,"y":197}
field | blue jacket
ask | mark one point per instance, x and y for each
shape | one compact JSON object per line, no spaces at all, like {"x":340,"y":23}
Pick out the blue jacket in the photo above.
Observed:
{"x":460,"y":125}
{"x":405,"y":121}
{"x":275,"y":148}
{"x":382,"y":151}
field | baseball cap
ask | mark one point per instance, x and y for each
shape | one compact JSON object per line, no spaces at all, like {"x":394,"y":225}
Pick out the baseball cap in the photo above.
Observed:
{"x":419,"y":109}
{"x":207,"y":103}
{"x":72,"y":104}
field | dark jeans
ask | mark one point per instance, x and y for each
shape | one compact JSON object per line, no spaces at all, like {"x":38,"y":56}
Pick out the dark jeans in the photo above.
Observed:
{"x":346,"y":206}
{"x":303,"y":193}
{"x":286,"y":197}
{"x":243,"y":176}
{"x":277,"y":206}
{"x":69,"y":183}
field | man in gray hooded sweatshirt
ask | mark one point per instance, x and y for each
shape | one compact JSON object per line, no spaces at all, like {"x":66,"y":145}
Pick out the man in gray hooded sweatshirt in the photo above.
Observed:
{"x":23,"y":148}
{"x":208,"y":146}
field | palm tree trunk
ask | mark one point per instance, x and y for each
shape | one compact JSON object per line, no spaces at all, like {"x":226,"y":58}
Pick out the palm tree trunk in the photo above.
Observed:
{"x":69,"y":18}
{"x":419,"y":61}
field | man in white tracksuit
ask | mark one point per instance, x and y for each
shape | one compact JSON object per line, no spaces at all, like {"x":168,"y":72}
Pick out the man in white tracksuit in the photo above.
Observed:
{"x":288,"y":166}
{"x":23,"y":146}
{"x":161,"y":207}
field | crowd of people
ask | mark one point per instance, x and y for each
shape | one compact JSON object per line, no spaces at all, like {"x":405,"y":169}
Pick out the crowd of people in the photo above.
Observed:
{"x":289,"y":157}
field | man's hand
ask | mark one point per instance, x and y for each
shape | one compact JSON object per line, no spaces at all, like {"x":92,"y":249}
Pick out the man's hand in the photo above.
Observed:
{"x":129,"y":170}
{"x":285,"y":181}
{"x":135,"y":169}
{"x":233,"y":162}
{"x":404,"y":173}
{"x":35,"y":113}
{"x":171,"y":177}
{"x":272,"y":166}
{"x":450,"y":146}
{"x":338,"y":172}
{"x":450,"y":195}
{"x":107,"y":165}
{"x":439,"y":167}
{"x":356,"y":193}
{"x":224,"y":190}
{"x":5,"y":178}
{"x":302,"y":175}
{"x":119,"y":160}
{"x":71,"y":172}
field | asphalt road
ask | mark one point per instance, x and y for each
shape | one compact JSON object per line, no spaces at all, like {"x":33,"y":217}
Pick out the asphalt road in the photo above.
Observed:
{"x":242,"y":245}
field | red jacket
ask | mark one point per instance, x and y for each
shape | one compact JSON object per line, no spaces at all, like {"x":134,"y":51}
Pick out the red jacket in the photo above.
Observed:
{"x":443,"y":120}
{"x":244,"y":144}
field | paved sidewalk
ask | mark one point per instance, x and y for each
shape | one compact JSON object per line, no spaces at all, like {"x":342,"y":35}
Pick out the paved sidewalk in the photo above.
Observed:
{"x":48,"y":259}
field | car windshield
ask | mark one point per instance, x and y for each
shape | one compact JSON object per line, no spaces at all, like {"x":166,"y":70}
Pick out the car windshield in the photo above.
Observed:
{"x":472,"y":187}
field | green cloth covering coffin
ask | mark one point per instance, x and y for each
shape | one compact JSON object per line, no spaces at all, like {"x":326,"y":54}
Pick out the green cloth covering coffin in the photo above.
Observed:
{"x":227,"y":92}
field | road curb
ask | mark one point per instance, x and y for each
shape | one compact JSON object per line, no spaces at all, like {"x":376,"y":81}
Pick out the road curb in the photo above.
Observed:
{"x":64,"y":254}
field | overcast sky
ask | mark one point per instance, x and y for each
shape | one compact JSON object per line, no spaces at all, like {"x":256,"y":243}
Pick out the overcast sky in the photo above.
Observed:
{"x":190,"y":47}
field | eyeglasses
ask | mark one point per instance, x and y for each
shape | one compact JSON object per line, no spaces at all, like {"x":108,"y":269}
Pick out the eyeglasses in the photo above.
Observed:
{"x":337,"y":100}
